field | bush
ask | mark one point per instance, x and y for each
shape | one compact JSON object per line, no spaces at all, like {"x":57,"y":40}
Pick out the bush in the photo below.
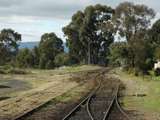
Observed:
{"x":157,"y":72}
{"x":42,"y":62}
{"x":16,"y":71}
{"x":2,"y":71}
{"x":25,"y":58}
{"x":62,"y":59}
{"x":49,"y":65}
{"x":11,"y":70}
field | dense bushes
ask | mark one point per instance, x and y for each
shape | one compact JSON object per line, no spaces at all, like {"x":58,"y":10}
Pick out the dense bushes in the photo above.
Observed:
{"x":157,"y":72}
{"x":25,"y":58}
{"x":47,"y":55}
{"x":62,"y":59}
{"x":7,"y":69}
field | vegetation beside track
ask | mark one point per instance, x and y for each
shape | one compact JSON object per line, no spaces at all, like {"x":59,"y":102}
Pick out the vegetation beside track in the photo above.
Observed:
{"x":142,"y":94}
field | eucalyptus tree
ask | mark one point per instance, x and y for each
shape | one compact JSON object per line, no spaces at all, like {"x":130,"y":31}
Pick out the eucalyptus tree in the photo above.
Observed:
{"x":8,"y":45}
{"x":130,"y":19}
{"x":49,"y":46}
{"x":155,"y":39}
{"x":155,"y":33}
{"x":89,"y":34}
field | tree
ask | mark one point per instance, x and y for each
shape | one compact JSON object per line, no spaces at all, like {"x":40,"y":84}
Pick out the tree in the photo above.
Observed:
{"x":36,"y":55}
{"x":71,"y":32}
{"x":155,"y":33}
{"x":129,"y":20}
{"x":25,"y":58}
{"x":157,"y":53}
{"x":143,"y":52}
{"x":62,"y":59}
{"x":8,"y":45}
{"x":155,"y":39}
{"x":118,"y":52}
{"x":50,"y":45}
{"x":88,"y":34}
{"x":43,"y":61}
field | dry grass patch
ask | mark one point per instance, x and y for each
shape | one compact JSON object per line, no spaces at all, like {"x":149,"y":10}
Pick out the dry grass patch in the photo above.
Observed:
{"x":43,"y":86}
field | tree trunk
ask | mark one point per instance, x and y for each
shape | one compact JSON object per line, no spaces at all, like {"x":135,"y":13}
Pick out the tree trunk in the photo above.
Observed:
{"x":89,"y":53}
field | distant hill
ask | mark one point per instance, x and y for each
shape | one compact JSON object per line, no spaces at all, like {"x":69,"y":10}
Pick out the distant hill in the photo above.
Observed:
{"x":31,"y":45}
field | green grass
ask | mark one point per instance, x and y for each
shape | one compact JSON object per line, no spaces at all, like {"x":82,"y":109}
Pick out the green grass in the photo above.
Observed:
{"x":149,"y":85}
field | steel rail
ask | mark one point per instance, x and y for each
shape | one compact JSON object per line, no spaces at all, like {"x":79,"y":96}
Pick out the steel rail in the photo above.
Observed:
{"x":42,"y":104}
{"x":120,"y":108}
{"x":86,"y":99}
{"x":111,"y":104}
{"x":115,"y":100}
{"x":89,"y":100}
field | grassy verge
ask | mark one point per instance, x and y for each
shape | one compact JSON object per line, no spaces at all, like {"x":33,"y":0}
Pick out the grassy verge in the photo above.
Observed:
{"x":136,"y":87}
{"x":12,"y":70}
{"x":17,"y":83}
{"x":67,"y":69}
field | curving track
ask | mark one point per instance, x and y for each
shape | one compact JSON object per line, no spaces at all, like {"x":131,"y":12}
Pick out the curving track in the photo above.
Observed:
{"x":101,"y":104}
{"x":29,"y":112}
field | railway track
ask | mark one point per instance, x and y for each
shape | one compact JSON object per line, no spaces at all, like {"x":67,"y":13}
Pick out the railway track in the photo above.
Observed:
{"x":101,"y":104}
{"x":28,"y":112}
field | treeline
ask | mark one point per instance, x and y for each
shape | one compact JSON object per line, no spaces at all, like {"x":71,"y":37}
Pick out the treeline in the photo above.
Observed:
{"x":90,"y":37}
{"x":47,"y":55}
{"x":142,"y":46}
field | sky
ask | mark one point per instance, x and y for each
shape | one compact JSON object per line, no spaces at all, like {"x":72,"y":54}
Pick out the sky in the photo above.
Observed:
{"x":33,"y":18}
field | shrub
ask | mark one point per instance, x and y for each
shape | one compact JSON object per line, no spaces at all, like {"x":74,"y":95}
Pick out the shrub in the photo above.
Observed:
{"x":62,"y":59}
{"x":16,"y":71}
{"x":157,"y":72}
{"x":49,"y":65}
{"x":24,"y":58}
{"x":2,"y":71}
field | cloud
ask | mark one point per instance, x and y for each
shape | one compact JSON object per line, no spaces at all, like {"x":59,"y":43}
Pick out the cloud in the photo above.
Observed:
{"x":39,"y":16}
{"x":59,"y":9}
{"x":32,"y":29}
{"x":41,"y":8}
{"x":9,"y":3}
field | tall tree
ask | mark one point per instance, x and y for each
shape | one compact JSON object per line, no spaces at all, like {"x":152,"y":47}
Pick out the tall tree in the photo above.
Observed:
{"x":118,"y":53}
{"x":71,"y":32}
{"x":8,"y":44}
{"x":130,"y":19}
{"x":86,"y":37}
{"x":143,"y":52}
{"x":155,"y":33}
{"x":155,"y":39}
{"x":50,"y":45}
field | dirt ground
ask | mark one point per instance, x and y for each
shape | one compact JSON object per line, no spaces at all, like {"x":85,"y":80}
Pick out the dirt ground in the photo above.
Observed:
{"x":30,"y":99}
{"x":61,"y":105}
{"x":38,"y":88}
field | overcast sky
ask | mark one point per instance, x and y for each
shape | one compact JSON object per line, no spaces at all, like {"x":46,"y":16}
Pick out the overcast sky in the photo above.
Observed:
{"x":32,"y":18}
